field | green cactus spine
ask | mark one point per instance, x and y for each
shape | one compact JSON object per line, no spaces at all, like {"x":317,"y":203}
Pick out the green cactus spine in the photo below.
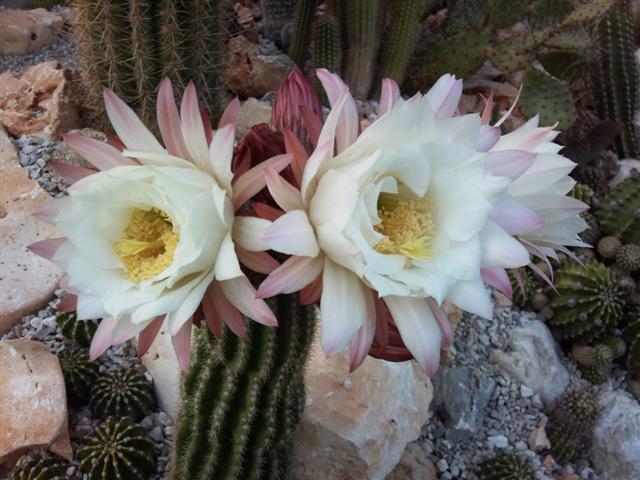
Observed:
{"x":124,"y":392}
{"x":305,"y":12}
{"x":523,"y":289}
{"x":80,"y":331}
{"x":617,"y":82}
{"x":242,"y":398}
{"x":117,"y":450}
{"x":42,"y":469}
{"x":327,"y":51}
{"x":589,"y":302}
{"x":505,"y":467}
{"x":79,"y":372}
{"x":631,"y":334}
{"x":619,"y":212}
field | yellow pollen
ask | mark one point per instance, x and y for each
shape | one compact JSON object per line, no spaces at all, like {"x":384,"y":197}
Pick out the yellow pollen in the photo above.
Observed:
{"x":147,"y":244}
{"x":407,"y":226}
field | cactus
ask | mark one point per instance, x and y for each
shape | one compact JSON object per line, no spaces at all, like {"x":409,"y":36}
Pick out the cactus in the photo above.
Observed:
{"x":608,"y":247}
{"x":505,"y":467}
{"x":42,"y":469}
{"x":117,"y":449}
{"x":80,"y":374}
{"x":79,"y":331}
{"x":616,"y":82}
{"x":628,"y":257}
{"x":130,"y":46}
{"x":584,"y":193}
{"x":571,"y":423}
{"x":619,"y":212}
{"x":304,"y":14}
{"x":276,"y":14}
{"x":242,"y":398}
{"x":631,"y":334}
{"x":523,"y":289}
{"x":124,"y":392}
{"x":591,"y":234}
{"x":589,"y":302}
{"x":327,"y":51}
{"x":595,"y":363}
{"x":543,"y":94}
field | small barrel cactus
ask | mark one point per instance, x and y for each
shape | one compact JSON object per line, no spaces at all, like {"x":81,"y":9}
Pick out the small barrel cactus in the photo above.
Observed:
{"x":118,"y":449}
{"x":619,"y":212}
{"x":124,"y":392}
{"x":42,"y":469}
{"x":505,"y":467}
{"x":608,"y":247}
{"x":80,"y":374}
{"x":628,"y":257}
{"x":595,"y":363}
{"x":80,"y":331}
{"x":631,"y":334}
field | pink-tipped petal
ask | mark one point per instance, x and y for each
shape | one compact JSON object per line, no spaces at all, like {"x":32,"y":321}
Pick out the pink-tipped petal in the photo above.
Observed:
{"x":509,"y":163}
{"x":514,"y":217}
{"x":292,"y":234}
{"x":230,"y":115}
{"x":169,"y":122}
{"x":260,"y":262}
{"x":267,"y":212}
{"x":538,"y":271}
{"x":128,"y":126}
{"x":488,"y":137}
{"x":348,"y":121}
{"x":242,"y":295}
{"x":100,"y":154}
{"x":221,"y":155}
{"x":70,"y":173}
{"x":124,"y":331}
{"x":206,"y":122}
{"x":488,"y":110}
{"x":300,"y":156}
{"x":286,"y":195}
{"x":312,"y":292}
{"x":211,"y":316}
{"x":182,"y":345}
{"x":443,"y":322}
{"x":49,"y":211}
{"x":320,"y":155}
{"x":383,"y":319}
{"x":254,"y":180}
{"x":312,"y":124}
{"x":149,"y":334}
{"x":508,"y":112}
{"x":389,"y":95}
{"x":497,"y":278}
{"x":499,"y":249}
{"x":229,"y":314}
{"x":361,"y":344}
{"x":293,"y":275}
{"x":193,"y":129}
{"x":102,"y":338}
{"x":444,"y":96}
{"x":69,"y":303}
{"x":46,"y":248}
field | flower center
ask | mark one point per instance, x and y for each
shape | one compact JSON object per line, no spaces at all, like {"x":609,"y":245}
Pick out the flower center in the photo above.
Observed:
{"x":407,"y":226}
{"x":147,"y":244}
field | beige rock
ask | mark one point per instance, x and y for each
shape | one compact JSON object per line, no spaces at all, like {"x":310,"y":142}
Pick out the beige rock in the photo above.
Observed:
{"x":252,"y":112}
{"x":501,"y":299}
{"x":33,"y":404}
{"x":41,"y":101}
{"x":454,"y":314}
{"x":25,"y":31}
{"x":357,"y":427}
{"x":538,"y":440}
{"x":549,"y":462}
{"x":414,"y":465}
{"x":27,"y":281}
{"x":63,"y":152}
{"x":251,"y":71}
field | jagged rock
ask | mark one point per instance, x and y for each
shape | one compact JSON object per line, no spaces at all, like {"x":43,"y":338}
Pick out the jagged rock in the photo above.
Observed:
{"x":26,"y":31}
{"x":357,"y":427}
{"x":615,"y":449}
{"x":41,"y":101}
{"x":251,"y":113}
{"x":414,"y":465}
{"x":532,"y":359}
{"x":27,"y":281}
{"x":33,"y":402}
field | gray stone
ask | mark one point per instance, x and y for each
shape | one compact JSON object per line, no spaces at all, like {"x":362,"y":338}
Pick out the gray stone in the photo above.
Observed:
{"x":498,"y":441}
{"x":461,"y":395}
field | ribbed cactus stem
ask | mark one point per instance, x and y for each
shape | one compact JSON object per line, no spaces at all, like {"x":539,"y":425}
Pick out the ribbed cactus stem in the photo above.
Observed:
{"x":362,"y":21}
{"x":242,"y":398}
{"x":617,"y":83}
{"x":327,"y":51}
{"x":305,"y":12}
{"x":276,"y":14}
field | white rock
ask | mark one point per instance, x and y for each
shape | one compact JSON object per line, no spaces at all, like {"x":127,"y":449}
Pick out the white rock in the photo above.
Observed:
{"x":525,"y":391}
{"x":498,"y":441}
{"x":615,"y":450}
{"x":532,"y":359}
{"x":361,"y":432}
{"x":414,"y":465}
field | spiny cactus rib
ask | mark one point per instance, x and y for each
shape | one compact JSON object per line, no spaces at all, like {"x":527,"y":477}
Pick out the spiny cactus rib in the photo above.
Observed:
{"x":117,"y":450}
{"x":631,"y":334}
{"x":327,"y":51}
{"x":505,"y":467}
{"x":80,"y":331}
{"x":242,"y":398}
{"x":42,"y":469}
{"x":80,"y":374}
{"x":305,"y":12}
{"x":619,"y":212}
{"x":124,"y":392}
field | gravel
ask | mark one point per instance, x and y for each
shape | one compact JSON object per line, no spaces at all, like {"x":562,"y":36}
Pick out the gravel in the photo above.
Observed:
{"x":34,"y":154}
{"x":63,"y":50}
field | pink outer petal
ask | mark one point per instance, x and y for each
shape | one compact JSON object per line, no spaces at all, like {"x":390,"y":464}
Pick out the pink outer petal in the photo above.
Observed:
{"x":443,"y":321}
{"x":509,"y":163}
{"x":193,"y":129}
{"x":498,"y":278}
{"x":347,"y":126}
{"x":286,"y":195}
{"x":291,"y":276}
{"x":46,"y":248}
{"x":182,"y":345}
{"x":102,"y":338}
{"x":254,"y":180}
{"x":169,"y":122}
{"x":312,"y":292}
{"x":383,"y":319}
{"x":361,"y":344}
{"x":488,"y":137}
{"x":513,"y":105}
{"x":208,"y":131}
{"x":68,"y":304}
{"x":488,"y":110}
{"x":213,"y":319}
{"x":149,"y":334}
{"x":49,"y":211}
{"x":312,"y":123}
{"x":300,"y":156}
{"x":229,"y":314}
{"x":230,"y":115}
{"x":514,"y":217}
{"x":267,"y":212}
{"x":389,"y":95}
{"x":260,"y":262}
{"x":70,"y":173}
{"x":444,"y":96}
{"x":100,"y":154}
{"x":242,"y":295}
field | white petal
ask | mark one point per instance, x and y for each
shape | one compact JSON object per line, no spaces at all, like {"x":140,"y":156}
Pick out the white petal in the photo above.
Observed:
{"x":242,"y":295}
{"x":248,"y":233}
{"x":227,"y":265}
{"x":499,"y":249}
{"x":334,"y":200}
{"x":292,"y":234}
{"x":472,"y":296}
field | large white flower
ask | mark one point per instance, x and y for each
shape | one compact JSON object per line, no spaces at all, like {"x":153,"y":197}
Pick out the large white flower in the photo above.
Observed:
{"x":400,"y":212}
{"x":149,"y":237}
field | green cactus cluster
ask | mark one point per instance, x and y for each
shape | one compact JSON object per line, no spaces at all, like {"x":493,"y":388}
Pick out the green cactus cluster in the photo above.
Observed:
{"x":523,"y":290}
{"x":117,"y":449}
{"x":619,"y":211}
{"x":631,"y":334}
{"x":124,"y":392}
{"x":596,"y":362}
{"x":129,"y":46}
{"x":242,"y":398}
{"x":41,"y":469}
{"x":78,"y":331}
{"x":570,"y":424}
{"x":80,"y":374}
{"x":505,"y":467}
{"x":548,"y":97}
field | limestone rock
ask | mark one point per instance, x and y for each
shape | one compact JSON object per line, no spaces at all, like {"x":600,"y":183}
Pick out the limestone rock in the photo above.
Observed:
{"x":33,"y":403}
{"x":254,"y":69}
{"x":414,"y":465}
{"x":533,"y":359}
{"x":41,"y":101}
{"x":251,"y":113}
{"x":25,"y":31}
{"x":357,"y":427}
{"x":63,"y":153}
{"x":27,"y":281}
{"x":615,"y":449}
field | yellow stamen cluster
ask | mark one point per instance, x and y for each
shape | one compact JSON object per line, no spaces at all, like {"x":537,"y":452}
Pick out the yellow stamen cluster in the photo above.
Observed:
{"x":407,"y":226}
{"x":147,"y":244}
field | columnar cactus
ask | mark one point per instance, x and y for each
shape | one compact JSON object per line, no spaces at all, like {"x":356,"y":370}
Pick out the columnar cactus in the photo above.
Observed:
{"x":79,"y":331}
{"x":242,"y":398}
{"x":304,"y":14}
{"x":124,"y":392}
